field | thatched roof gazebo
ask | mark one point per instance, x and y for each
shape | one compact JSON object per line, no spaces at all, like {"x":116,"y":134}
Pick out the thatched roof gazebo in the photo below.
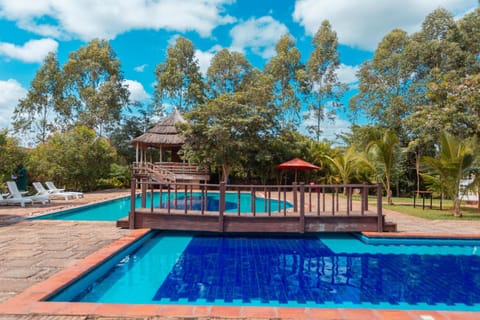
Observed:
{"x":163,"y":136}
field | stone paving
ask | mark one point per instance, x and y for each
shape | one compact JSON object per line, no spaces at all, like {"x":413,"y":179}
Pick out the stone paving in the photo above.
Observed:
{"x":34,"y":250}
{"x":410,"y":224}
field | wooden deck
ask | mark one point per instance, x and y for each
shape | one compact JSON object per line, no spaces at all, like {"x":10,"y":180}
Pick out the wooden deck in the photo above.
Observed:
{"x":170,"y":172}
{"x":317,"y":208}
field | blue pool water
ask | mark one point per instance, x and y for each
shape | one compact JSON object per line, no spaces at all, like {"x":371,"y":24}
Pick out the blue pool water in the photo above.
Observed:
{"x":327,"y":270}
{"x":116,"y":209}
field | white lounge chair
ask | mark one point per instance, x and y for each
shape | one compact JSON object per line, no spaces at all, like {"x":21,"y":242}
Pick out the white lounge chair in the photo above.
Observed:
{"x":52,"y":188}
{"x":16,"y":195}
{"x":6,"y":199}
{"x":41,"y":191}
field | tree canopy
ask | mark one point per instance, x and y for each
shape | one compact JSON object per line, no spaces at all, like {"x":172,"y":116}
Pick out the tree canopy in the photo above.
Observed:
{"x":416,"y":90}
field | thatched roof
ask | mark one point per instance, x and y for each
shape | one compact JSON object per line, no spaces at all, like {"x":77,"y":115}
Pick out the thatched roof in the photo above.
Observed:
{"x":163,"y":134}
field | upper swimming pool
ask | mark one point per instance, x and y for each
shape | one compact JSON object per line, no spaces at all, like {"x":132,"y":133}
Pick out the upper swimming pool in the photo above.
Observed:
{"x":321,"y":271}
{"x":113,"y":210}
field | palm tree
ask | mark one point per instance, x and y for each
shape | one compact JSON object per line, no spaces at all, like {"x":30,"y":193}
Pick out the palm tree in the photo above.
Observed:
{"x":383,"y":152}
{"x":454,"y":160}
{"x":348,"y":164}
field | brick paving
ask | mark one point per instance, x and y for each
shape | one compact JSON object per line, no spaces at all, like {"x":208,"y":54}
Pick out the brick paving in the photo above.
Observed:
{"x":32,"y":251}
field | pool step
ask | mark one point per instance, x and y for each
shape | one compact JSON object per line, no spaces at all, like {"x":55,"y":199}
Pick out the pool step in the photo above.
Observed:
{"x":390,"y":226}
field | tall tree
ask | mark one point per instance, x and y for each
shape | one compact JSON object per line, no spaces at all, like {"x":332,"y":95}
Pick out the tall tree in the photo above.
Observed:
{"x":227,"y":73}
{"x":179,"y":82}
{"x":232,"y":130}
{"x":385,"y":82}
{"x":288,"y":74}
{"x":96,"y":86}
{"x":218,"y":133}
{"x":321,"y":70}
{"x":438,"y":47}
{"x":470,"y":38}
{"x":43,"y":107}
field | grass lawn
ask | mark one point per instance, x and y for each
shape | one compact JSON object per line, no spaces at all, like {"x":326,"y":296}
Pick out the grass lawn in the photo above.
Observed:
{"x":405,"y":205}
{"x":468,"y":212}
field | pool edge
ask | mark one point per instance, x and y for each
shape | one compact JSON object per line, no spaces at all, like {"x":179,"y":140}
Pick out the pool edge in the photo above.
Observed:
{"x":30,"y":300}
{"x":372,"y":234}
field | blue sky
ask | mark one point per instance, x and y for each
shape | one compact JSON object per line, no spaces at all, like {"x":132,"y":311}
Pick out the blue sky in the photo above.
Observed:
{"x":140,"y":32}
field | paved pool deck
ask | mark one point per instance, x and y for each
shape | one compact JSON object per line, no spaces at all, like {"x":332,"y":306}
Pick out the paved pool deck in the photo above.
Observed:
{"x":39,"y":255}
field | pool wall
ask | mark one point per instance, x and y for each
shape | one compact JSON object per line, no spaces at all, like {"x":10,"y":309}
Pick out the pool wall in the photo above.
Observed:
{"x":31,"y":301}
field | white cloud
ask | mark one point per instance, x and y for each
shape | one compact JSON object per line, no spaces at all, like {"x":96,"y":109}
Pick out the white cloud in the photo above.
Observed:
{"x":330,"y":128}
{"x":137,"y":92}
{"x":31,"y":51}
{"x":259,"y":35}
{"x":363,"y":23}
{"x":140,"y":68}
{"x":347,"y":74}
{"x":333,"y":128}
{"x":88,"y":19}
{"x":10,"y":92}
{"x":205,"y":57}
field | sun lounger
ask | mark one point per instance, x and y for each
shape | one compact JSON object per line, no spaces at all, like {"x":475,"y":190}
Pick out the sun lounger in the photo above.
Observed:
{"x":52,"y":188}
{"x":16,"y":195}
{"x":41,"y":191}
{"x":6,"y":199}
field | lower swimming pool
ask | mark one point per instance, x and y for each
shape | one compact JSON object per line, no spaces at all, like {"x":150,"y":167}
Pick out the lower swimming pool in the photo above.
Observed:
{"x":113,"y":210}
{"x":322,"y":271}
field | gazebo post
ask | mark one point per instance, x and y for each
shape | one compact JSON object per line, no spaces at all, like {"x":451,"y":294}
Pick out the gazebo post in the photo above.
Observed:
{"x":136,"y":152}
{"x":161,"y":154}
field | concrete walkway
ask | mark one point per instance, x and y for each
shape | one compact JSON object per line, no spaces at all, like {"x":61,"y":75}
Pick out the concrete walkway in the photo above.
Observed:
{"x":410,"y":224}
{"x":32,"y":251}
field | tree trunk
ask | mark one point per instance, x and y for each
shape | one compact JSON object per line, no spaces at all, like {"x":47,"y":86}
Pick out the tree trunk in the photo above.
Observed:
{"x":225,"y":173}
{"x":389,"y":191}
{"x":456,"y":208}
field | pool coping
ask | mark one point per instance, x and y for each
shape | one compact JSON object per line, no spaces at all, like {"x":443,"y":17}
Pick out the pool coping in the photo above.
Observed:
{"x":30,"y":300}
{"x":73,"y":207}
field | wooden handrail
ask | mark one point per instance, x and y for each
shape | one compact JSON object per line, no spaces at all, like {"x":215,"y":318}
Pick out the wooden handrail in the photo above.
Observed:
{"x":305,"y":201}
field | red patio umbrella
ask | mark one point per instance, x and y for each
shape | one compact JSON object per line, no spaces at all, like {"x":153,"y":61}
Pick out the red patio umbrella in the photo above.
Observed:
{"x":297,"y":164}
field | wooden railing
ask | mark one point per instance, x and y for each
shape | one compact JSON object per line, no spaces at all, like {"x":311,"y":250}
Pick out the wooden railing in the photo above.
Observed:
{"x":299,"y":201}
{"x":170,"y":172}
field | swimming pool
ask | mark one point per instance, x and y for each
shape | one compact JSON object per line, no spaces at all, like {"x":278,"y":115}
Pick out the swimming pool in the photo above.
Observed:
{"x":114,"y":210}
{"x":320,"y":271}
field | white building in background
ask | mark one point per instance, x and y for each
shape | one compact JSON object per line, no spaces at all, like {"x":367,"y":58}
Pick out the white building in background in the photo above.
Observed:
{"x":467,"y":195}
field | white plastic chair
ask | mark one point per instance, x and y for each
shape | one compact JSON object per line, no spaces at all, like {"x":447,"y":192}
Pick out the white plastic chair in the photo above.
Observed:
{"x":16,"y":195}
{"x":52,"y":188}
{"x":41,"y":191}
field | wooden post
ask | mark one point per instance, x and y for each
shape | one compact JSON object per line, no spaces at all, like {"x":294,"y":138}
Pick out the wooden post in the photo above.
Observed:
{"x":185,"y":198}
{"x":362,"y":200}
{"x":379,"y":208}
{"x":221,"y":208}
{"x":238,"y":202}
{"x":337,"y":199}
{"x":323,"y":199}
{"x":131,"y":214}
{"x":333,"y":200}
{"x":295,"y":205}
{"x":349,"y":195}
{"x":253,"y":207}
{"x":144,"y":192}
{"x":204,"y":198}
{"x":365,"y":196}
{"x":302,"y":208}
{"x":151,"y":197}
